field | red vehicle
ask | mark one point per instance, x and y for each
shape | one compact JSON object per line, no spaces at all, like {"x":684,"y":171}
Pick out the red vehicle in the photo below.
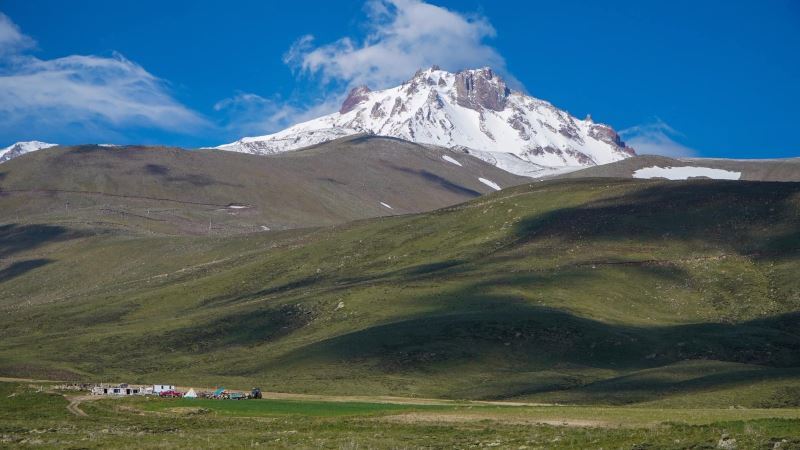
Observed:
{"x":171,"y":394}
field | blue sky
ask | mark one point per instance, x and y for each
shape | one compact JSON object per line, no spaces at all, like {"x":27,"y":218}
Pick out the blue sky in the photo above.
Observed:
{"x":706,"y":78}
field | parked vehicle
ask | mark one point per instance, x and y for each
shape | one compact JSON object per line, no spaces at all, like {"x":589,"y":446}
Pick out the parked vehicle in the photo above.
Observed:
{"x":170,"y":394}
{"x":219,"y":393}
{"x":255,"y":393}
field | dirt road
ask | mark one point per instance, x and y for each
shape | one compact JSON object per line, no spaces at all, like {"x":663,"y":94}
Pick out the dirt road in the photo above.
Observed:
{"x":74,"y":403}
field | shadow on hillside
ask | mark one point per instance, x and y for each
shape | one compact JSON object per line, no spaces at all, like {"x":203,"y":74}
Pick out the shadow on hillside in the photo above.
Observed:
{"x":538,"y":337}
{"x":331,"y":180}
{"x":195,"y":179}
{"x":377,"y":140}
{"x":253,"y":295}
{"x":735,"y":215}
{"x":518,"y":339}
{"x":332,"y":283}
{"x":21,"y":267}
{"x":652,"y":384}
{"x":80,"y":150}
{"x":15,"y":238}
{"x":432,"y":178}
{"x":244,"y":328}
{"x":472,"y":331}
{"x":732,"y":215}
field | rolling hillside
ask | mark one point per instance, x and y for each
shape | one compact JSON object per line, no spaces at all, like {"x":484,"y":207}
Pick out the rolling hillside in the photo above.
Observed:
{"x":573,"y":291}
{"x":172,"y":191}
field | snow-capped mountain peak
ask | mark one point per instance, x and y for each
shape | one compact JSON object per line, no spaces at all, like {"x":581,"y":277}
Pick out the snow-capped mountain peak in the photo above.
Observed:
{"x":21,"y":148}
{"x":471,"y":110}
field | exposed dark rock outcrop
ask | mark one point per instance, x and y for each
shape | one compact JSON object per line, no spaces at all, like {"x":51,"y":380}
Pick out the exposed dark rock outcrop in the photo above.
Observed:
{"x":354,"y":98}
{"x":481,"y":88}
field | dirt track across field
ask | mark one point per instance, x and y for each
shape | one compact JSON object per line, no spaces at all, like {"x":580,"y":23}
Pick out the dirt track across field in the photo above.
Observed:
{"x":74,"y":403}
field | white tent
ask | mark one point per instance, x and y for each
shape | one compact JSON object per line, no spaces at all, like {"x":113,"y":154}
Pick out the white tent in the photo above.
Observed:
{"x":190,"y":394}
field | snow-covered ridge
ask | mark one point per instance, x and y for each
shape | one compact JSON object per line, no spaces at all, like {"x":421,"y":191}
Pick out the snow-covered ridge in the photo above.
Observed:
{"x":471,"y":110}
{"x":21,"y":148}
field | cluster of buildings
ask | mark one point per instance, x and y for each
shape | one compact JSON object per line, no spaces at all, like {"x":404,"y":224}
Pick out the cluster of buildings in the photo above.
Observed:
{"x":131,"y":389}
{"x":169,"y":390}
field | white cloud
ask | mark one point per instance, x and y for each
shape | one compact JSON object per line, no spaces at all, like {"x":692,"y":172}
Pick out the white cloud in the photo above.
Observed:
{"x":249,"y":114}
{"x":655,"y":138}
{"x":11,"y":38}
{"x":403,"y":36}
{"x":95,"y":92}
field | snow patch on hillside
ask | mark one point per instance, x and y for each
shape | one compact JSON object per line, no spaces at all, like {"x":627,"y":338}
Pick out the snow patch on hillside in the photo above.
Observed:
{"x":685,"y":172}
{"x":451,"y":160}
{"x":490,"y":183}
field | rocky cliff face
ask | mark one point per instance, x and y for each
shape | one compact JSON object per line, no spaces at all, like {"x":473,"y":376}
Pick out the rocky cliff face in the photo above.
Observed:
{"x":354,"y":98}
{"x":472,"y":110}
{"x":479,"y":89}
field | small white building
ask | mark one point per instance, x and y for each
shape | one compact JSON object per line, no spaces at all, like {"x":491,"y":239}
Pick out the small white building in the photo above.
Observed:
{"x":159,"y":388}
{"x":119,"y":389}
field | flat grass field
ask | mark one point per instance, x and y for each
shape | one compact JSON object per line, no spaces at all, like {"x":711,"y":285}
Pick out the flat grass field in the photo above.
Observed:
{"x":36,"y":416}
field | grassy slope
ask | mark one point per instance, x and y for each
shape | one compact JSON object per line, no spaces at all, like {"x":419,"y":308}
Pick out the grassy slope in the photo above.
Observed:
{"x":603,"y":291}
{"x":172,"y":191}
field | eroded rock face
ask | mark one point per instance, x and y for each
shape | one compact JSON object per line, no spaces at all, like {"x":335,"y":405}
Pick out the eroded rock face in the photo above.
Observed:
{"x":481,"y":88}
{"x":607,"y":134}
{"x":354,"y":98}
{"x":377,"y":112}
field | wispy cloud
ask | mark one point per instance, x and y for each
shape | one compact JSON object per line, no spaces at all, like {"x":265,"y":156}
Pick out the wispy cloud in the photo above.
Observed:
{"x":403,"y":36}
{"x":248,"y":114}
{"x":95,"y":92}
{"x":11,"y":38}
{"x":656,"y":138}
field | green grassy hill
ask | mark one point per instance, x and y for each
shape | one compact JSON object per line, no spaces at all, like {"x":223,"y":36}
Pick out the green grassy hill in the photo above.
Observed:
{"x":576,"y":291}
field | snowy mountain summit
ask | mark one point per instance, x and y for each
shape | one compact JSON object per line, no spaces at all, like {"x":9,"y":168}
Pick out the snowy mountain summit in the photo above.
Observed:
{"x":472,"y":111}
{"x":21,"y":148}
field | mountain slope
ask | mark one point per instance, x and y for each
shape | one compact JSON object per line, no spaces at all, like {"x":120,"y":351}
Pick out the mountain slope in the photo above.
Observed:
{"x":168,"y":190}
{"x":471,"y":109}
{"x":21,"y":148}
{"x":580,"y":291}
{"x":650,"y":166}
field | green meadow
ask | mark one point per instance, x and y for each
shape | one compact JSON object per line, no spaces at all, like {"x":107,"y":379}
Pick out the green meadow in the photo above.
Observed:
{"x":32,"y":416}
